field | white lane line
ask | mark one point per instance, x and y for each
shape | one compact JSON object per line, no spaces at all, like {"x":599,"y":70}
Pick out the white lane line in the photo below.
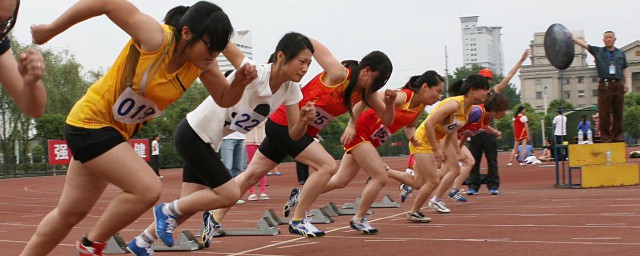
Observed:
{"x":596,"y":238}
{"x":296,"y":245}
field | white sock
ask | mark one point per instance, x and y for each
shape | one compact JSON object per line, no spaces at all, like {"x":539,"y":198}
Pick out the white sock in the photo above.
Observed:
{"x":145,"y":239}
{"x":171,"y":209}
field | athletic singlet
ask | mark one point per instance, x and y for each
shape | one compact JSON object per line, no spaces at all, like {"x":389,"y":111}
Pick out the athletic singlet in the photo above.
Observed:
{"x":371,"y":128}
{"x":448,"y":125}
{"x":118,"y":94}
{"x":328,"y":101}
{"x":477,"y":122}
{"x":519,"y":130}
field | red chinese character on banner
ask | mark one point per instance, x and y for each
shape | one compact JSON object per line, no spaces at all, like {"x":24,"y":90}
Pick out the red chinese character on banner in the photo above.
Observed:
{"x":59,"y":152}
{"x":141,"y":146}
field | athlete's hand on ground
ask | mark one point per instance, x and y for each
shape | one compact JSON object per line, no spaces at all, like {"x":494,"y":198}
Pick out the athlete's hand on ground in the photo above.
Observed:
{"x":308,"y":112}
{"x":349,"y":133}
{"x":245,"y":75}
{"x":31,"y":66}
{"x":390,"y":97}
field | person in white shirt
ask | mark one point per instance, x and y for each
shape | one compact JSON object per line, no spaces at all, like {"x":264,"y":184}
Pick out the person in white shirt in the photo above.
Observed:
{"x":560,"y":131}
{"x":155,"y":155}
{"x":207,"y":183}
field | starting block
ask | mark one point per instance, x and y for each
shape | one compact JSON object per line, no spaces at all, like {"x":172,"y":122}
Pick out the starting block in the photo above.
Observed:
{"x":593,"y":169}
{"x":332,"y":210}
{"x":116,"y":245}
{"x":387,"y":202}
{"x":318,"y":216}
{"x":264,"y":227}
{"x":185,"y":242}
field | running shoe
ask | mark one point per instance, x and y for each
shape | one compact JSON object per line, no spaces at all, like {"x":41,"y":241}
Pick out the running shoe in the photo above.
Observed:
{"x":252,"y":197}
{"x":456,"y":194}
{"x":304,"y":228}
{"x":439,"y":206}
{"x":293,"y":200}
{"x":264,"y":196}
{"x":418,"y":217}
{"x":405,"y":190}
{"x":138,"y":250}
{"x":363,"y":226}
{"x":472,"y":192}
{"x":494,"y":192}
{"x":210,"y":227}
{"x":164,"y":225}
{"x":93,"y":250}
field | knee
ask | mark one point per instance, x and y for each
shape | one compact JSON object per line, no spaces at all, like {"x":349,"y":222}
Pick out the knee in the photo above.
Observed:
{"x":328,"y":168}
{"x":229,"y":197}
{"x":148,"y":194}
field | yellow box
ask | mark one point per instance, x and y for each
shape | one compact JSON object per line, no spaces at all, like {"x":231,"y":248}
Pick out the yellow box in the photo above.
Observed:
{"x":609,"y":175}
{"x":581,"y":155}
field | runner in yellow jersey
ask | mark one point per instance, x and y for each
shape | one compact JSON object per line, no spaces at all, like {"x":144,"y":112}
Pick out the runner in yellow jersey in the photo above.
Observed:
{"x":153,"y":70}
{"x":435,"y":142}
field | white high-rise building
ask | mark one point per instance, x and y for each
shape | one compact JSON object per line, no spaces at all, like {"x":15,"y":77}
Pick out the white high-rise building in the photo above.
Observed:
{"x":242,"y":39}
{"x":481,"y":45}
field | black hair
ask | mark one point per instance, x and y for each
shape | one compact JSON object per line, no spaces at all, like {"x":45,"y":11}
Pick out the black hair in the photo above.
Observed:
{"x":430,"y":77}
{"x":559,"y":112}
{"x":496,"y":102}
{"x":376,"y":61}
{"x":227,"y":73}
{"x":203,"y":18}
{"x":520,"y":108}
{"x":290,"y":45}
{"x":462,"y":87}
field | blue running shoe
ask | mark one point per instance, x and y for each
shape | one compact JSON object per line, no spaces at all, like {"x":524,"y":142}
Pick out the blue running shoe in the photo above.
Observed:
{"x":405,"y":190}
{"x":164,"y":225}
{"x":456,"y":194}
{"x":209,"y":227}
{"x":293,"y":200}
{"x":137,"y":250}
{"x":494,"y":192}
{"x":472,"y":192}
{"x":304,"y":228}
{"x":363,"y":226}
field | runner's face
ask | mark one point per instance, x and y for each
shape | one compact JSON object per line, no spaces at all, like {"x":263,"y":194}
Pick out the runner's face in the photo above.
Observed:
{"x":297,"y":67}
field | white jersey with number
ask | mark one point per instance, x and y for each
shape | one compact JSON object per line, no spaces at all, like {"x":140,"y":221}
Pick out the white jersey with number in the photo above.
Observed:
{"x":212,"y":122}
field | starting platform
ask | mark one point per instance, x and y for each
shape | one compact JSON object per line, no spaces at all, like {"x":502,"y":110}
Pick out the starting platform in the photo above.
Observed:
{"x":186,"y":242}
{"x":588,"y":167}
{"x":387,"y":202}
{"x":316,"y":216}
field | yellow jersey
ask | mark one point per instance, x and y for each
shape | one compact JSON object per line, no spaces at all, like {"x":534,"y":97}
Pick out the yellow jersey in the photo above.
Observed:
{"x":135,"y":72}
{"x":449,"y":125}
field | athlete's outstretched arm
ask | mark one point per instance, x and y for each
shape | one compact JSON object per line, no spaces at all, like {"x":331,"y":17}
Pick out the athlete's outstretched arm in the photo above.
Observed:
{"x":145,"y":30}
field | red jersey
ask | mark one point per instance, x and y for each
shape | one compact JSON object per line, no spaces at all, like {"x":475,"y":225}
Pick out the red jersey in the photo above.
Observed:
{"x":370,"y":127}
{"x":519,"y":130}
{"x":478,"y":122}
{"x":328,"y":100}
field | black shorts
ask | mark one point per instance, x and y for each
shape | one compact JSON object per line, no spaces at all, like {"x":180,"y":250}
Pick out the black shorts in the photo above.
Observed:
{"x":201,"y":163}
{"x":277,"y":144}
{"x":86,"y":144}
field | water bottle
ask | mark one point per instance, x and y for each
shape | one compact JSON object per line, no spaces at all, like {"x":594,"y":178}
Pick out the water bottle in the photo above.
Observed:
{"x":589,"y":136}
{"x":580,"y":137}
{"x":607,"y":156}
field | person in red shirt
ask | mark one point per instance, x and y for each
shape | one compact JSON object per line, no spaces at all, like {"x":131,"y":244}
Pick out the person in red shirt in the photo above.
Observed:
{"x":520,"y":133}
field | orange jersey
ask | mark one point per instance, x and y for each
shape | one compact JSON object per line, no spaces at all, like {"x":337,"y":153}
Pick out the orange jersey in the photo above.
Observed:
{"x":519,"y":130}
{"x":328,"y":100}
{"x":370,"y":127}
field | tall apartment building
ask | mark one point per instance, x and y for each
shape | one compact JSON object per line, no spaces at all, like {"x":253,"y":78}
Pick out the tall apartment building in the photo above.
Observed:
{"x":577,"y":84}
{"x":481,"y":45}
{"x":242,"y":39}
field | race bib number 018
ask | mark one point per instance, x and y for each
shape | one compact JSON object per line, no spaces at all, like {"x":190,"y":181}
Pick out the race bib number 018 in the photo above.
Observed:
{"x":132,"y":108}
{"x":322,"y":118}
